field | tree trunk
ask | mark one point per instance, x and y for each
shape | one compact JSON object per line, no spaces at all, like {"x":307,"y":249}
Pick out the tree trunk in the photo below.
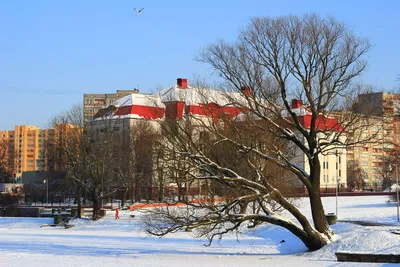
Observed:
{"x":96,"y":208}
{"x":126,"y":189}
{"x":96,"y":204}
{"x":79,"y":201}
{"x":317,"y":209}
{"x":312,"y":239}
{"x":318,"y":213}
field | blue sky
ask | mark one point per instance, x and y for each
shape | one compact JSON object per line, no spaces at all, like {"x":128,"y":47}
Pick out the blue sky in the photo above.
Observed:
{"x":52,"y":52}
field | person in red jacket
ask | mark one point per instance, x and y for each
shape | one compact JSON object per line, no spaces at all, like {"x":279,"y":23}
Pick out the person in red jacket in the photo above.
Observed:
{"x":116,"y":214}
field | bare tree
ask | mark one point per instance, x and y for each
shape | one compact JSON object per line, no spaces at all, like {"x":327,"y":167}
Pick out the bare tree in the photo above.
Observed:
{"x":355,"y":175}
{"x":5,"y":168}
{"x":309,"y":58}
{"x":84,"y":155}
{"x":136,"y":159}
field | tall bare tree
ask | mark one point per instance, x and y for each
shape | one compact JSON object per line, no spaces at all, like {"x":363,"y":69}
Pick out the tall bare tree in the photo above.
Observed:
{"x":310,"y":58}
{"x":84,"y":155}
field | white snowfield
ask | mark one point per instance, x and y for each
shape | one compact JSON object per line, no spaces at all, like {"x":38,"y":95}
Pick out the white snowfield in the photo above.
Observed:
{"x":110,"y":242}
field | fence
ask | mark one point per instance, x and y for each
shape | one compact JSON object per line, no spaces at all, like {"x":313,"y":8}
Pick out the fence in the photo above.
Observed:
{"x":173,"y":193}
{"x":349,"y":187}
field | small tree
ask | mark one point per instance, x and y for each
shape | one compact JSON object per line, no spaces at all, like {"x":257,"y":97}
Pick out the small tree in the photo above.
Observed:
{"x":355,"y":175}
{"x":5,"y":170}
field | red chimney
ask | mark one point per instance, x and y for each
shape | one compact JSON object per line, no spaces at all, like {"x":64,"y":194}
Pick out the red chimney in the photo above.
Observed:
{"x":297,"y":103}
{"x":182,"y":83}
{"x":246,"y":90}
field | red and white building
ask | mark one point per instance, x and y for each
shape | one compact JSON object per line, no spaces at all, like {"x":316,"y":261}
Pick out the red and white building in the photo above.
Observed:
{"x":333,"y":162}
{"x":181,"y":101}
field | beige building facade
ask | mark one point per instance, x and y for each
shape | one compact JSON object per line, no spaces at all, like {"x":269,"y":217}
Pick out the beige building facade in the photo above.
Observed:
{"x":92,"y":103}
{"x":374,"y":157}
{"x":28,"y":148}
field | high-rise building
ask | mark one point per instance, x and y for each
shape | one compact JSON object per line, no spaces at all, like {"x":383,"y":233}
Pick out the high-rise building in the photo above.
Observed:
{"x":28,"y":147}
{"x":94,"y":102}
{"x":374,"y":157}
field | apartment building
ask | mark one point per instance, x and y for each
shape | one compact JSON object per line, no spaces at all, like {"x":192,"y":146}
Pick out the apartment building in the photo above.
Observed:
{"x":29,"y":147}
{"x":383,"y":112}
{"x":94,"y":102}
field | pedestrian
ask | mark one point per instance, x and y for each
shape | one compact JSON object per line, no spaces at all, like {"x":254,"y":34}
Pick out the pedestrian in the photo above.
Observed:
{"x":116,"y":214}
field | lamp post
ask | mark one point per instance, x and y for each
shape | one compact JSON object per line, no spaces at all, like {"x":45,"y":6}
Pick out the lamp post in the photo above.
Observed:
{"x":397,"y":189}
{"x":337,"y":193}
{"x":47,"y":191}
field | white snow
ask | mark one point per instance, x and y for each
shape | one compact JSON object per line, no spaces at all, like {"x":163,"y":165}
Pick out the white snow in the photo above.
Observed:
{"x":392,"y":188}
{"x":110,"y":242}
{"x":140,"y":100}
{"x":196,"y":96}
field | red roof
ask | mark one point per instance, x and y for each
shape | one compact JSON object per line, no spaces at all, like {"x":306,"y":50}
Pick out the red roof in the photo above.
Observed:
{"x":146,"y":112}
{"x":322,"y":123}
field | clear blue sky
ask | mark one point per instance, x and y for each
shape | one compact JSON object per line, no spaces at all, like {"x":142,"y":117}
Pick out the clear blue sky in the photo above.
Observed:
{"x":54,"y":51}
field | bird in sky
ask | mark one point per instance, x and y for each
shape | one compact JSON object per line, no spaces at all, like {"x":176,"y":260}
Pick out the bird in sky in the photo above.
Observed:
{"x":138,"y":11}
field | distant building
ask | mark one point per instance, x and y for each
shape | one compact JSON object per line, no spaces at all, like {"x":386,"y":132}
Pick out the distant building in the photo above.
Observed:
{"x":182,"y":102}
{"x":126,"y":115}
{"x":94,"y":102}
{"x":29,"y":148}
{"x":374,"y":157}
{"x":333,"y":163}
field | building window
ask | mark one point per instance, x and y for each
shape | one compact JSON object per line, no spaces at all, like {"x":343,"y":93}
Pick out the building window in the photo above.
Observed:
{"x":365,"y":149}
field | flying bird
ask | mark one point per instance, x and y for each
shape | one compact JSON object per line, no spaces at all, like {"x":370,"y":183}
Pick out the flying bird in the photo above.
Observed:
{"x":138,"y":11}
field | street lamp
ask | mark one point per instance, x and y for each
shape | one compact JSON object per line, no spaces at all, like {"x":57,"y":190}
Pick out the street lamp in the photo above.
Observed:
{"x":397,"y":189}
{"x":47,"y":191}
{"x":337,"y":193}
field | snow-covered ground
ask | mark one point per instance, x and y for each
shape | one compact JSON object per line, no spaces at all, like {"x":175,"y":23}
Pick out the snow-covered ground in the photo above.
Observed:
{"x":110,"y":242}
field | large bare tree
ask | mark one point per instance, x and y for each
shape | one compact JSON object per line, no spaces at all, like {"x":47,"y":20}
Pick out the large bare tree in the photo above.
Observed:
{"x":279,"y":59}
{"x":84,"y":155}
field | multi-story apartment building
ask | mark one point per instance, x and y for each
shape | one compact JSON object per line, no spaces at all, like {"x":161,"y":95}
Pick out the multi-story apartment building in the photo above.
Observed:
{"x":94,"y":102}
{"x":387,"y":107}
{"x":382,"y":110}
{"x":28,"y":147}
